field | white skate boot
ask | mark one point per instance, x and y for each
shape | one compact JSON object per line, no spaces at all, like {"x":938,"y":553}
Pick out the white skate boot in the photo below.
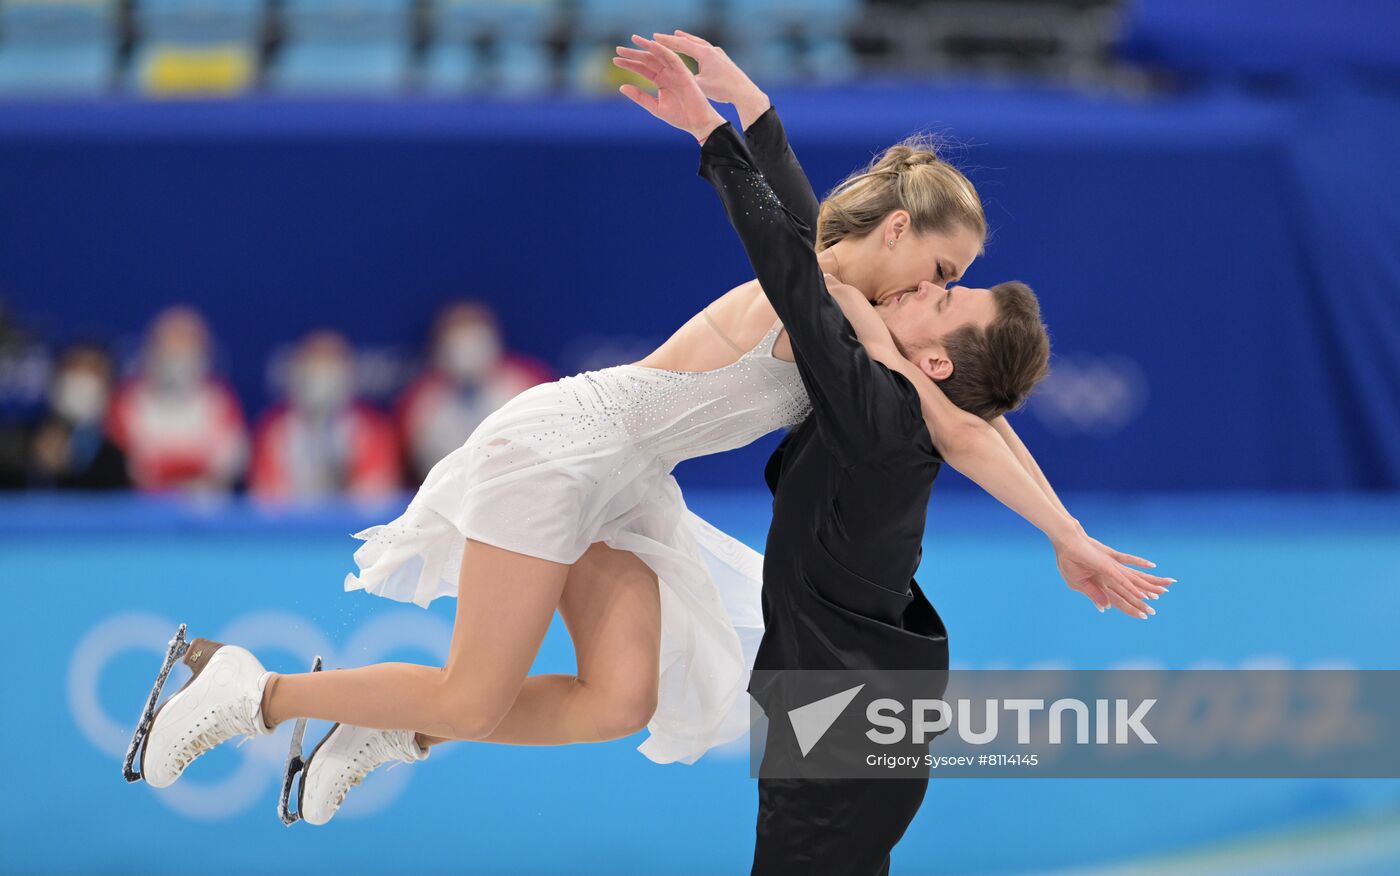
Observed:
{"x":221,"y":700}
{"x":342,"y":760}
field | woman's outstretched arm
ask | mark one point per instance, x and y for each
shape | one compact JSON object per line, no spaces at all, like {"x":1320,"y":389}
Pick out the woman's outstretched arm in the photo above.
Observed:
{"x":973,"y":447}
{"x":1027,"y":460}
{"x":1023,"y":456}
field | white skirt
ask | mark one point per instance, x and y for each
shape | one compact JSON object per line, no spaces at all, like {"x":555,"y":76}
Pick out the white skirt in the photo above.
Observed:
{"x":547,"y":476}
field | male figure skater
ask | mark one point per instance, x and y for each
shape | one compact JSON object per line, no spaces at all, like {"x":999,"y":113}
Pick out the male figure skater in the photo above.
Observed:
{"x":850,"y":493}
{"x":851,"y":485}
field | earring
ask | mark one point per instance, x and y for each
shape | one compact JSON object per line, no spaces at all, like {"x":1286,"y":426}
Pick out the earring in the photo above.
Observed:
{"x":890,"y":243}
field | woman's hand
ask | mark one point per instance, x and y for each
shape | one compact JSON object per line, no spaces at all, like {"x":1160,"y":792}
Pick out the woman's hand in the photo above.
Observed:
{"x":678,"y":102}
{"x":1097,"y":571}
{"x":719,"y":78}
{"x":1125,"y":559}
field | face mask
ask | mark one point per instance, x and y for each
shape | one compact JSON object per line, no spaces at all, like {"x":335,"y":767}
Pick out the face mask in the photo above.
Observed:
{"x":470,"y":354}
{"x":321,"y":389}
{"x":177,"y":371}
{"x":79,"y":397}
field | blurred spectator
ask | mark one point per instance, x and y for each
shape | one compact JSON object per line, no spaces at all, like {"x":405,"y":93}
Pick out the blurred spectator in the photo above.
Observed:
{"x":69,"y":448}
{"x":470,"y":376}
{"x":179,"y":427}
{"x":25,"y":367}
{"x":321,"y":441}
{"x":18,"y":392}
{"x":14,"y":446}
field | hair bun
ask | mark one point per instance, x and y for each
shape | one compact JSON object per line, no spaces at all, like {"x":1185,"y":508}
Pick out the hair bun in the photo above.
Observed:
{"x":902,"y":157}
{"x":936,"y":198}
{"x":918,"y":158}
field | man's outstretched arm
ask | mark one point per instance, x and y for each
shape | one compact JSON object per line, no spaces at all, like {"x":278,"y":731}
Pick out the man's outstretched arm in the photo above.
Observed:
{"x":767,"y":139}
{"x":855,"y":400}
{"x":722,"y":81}
{"x":857,"y":404}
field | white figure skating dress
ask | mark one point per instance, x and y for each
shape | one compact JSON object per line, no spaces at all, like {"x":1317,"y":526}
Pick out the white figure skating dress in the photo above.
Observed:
{"x":588,"y":459}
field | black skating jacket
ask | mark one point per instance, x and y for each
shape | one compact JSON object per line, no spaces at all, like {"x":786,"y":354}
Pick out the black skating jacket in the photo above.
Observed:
{"x":851,"y":484}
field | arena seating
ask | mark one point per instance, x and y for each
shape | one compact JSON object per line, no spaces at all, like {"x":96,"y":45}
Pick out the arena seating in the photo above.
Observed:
{"x":517,"y":60}
{"x":198,"y":46}
{"x":57,"y":47}
{"x":344,"y":47}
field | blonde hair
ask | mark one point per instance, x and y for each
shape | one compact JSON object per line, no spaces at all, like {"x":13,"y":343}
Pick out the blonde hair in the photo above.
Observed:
{"x":908,"y":176}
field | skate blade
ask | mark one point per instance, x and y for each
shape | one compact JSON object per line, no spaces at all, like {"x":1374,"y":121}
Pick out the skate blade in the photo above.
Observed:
{"x":295,"y":765}
{"x":173,"y":652}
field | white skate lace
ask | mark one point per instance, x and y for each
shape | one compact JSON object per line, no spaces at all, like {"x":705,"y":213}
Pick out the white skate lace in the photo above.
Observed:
{"x":220,"y":725}
{"x":373,"y":751}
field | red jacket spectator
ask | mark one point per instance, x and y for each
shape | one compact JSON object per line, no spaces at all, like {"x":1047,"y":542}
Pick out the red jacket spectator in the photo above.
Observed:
{"x":194,"y":440}
{"x":179,"y":427}
{"x":322,"y":442}
{"x":354,"y":451}
{"x":471,"y":376}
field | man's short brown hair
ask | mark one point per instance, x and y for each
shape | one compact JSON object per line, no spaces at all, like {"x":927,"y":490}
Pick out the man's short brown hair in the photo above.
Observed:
{"x":994,"y":370}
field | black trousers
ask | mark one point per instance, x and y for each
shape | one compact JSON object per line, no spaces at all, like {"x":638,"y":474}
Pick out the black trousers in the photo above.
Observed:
{"x":841,"y":827}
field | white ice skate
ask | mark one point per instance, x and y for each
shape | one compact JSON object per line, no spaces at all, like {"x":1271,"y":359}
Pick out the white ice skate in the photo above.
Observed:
{"x":221,"y":700}
{"x":342,"y":760}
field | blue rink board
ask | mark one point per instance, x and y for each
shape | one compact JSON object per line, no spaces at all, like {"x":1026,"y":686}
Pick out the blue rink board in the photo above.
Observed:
{"x":94,"y":590}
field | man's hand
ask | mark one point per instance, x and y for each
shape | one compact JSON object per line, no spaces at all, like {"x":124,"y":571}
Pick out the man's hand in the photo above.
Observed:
{"x":719,"y":78}
{"x":678,"y":102}
{"x":1096,"y":570}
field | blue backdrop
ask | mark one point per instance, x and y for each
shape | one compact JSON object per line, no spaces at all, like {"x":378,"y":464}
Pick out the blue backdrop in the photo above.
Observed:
{"x":1219,"y":270}
{"x":1264,"y":38}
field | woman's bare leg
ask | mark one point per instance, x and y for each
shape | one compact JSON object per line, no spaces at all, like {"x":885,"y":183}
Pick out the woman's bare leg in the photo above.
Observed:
{"x":505,"y":602}
{"x":613,"y":612}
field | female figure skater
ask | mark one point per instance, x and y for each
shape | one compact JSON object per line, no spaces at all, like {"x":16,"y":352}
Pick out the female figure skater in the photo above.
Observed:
{"x":564,"y":500}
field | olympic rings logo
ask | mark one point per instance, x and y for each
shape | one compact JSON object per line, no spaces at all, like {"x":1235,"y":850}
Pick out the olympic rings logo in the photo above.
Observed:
{"x":1090,"y":395}
{"x":254,"y":781}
